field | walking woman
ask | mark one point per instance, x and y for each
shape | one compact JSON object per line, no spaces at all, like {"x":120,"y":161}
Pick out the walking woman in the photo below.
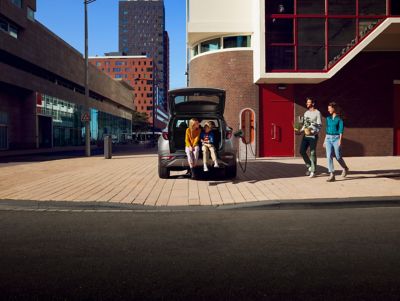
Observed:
{"x":333,"y":140}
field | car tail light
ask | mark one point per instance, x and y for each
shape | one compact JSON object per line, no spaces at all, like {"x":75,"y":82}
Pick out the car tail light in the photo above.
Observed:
{"x":229,"y":134}
{"x":165,"y":135}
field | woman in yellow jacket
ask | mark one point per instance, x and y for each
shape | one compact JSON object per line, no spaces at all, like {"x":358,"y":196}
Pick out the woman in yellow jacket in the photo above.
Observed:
{"x":192,"y":138}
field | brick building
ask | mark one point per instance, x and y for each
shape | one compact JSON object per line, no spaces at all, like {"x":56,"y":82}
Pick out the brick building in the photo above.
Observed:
{"x":42,"y":88}
{"x":142,"y":32}
{"x":271,"y":54}
{"x":138,"y":72}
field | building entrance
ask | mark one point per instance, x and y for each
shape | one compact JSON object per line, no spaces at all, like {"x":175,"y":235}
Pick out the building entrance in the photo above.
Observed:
{"x":45,"y":129}
{"x":276,"y":118}
{"x":396,"y":116}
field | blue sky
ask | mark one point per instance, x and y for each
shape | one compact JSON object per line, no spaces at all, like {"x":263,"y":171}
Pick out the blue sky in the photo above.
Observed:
{"x":65,"y":18}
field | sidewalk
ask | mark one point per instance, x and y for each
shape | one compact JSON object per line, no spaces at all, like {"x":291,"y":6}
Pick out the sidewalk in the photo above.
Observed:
{"x":133,"y":179}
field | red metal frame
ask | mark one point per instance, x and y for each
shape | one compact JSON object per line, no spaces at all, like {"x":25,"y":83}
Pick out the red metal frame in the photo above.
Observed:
{"x":357,"y":17}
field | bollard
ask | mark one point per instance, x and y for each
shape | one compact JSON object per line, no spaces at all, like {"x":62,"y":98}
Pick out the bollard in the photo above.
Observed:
{"x":108,"y":147}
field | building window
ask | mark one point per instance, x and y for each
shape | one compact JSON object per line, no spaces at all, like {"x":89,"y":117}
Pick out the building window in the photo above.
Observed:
{"x":239,"y":41}
{"x":12,"y":30}
{"x":3,"y":131}
{"x":116,"y":69}
{"x":195,"y":50}
{"x":30,"y":14}
{"x":312,"y":35}
{"x":118,"y":75}
{"x":118,"y":63}
{"x":17,"y":3}
{"x":98,"y":64}
{"x":210,"y":45}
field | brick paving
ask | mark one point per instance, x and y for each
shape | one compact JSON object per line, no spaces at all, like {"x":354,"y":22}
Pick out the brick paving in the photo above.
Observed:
{"x":133,"y":179}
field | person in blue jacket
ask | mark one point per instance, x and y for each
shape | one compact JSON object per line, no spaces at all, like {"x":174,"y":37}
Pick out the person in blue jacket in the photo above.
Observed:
{"x":333,"y":140}
{"x":207,"y":141}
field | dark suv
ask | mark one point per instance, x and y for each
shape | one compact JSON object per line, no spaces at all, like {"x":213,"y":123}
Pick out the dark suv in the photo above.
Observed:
{"x":205,"y":104}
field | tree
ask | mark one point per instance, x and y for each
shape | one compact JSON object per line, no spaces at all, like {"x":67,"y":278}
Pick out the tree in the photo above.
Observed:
{"x":140,"y":122}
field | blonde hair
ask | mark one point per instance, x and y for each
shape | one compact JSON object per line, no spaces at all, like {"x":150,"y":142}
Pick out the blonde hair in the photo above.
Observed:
{"x":192,"y":122}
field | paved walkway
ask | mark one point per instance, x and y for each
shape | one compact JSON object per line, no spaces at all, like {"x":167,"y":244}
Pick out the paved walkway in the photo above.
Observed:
{"x":133,"y":179}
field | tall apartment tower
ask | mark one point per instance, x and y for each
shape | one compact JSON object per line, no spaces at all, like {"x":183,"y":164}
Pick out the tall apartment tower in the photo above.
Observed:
{"x":142,"y":32}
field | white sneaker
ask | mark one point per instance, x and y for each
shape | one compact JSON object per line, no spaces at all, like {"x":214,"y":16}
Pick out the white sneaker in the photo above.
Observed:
{"x":312,"y":175}
{"x":205,"y":167}
{"x":216,"y":164}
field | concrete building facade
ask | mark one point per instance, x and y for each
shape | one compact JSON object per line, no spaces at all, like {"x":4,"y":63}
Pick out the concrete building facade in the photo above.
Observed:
{"x":271,"y":54}
{"x":142,"y":32}
{"x":42,"y":89}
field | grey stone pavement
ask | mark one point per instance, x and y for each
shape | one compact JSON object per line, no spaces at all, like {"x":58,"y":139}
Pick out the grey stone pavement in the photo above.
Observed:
{"x":131,"y":179}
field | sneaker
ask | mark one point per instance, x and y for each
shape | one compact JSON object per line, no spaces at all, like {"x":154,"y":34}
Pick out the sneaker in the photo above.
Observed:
{"x":205,"y":167}
{"x":312,"y":175}
{"x":344,"y":172}
{"x":308,"y":172}
{"x":216,"y":164}
{"x":331,"y":178}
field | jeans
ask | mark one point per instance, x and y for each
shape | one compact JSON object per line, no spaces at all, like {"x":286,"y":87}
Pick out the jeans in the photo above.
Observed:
{"x":193,"y":155}
{"x":309,"y":142}
{"x":333,"y":149}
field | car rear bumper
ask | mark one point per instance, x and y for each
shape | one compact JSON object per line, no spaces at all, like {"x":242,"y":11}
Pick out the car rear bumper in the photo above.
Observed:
{"x":180,"y":161}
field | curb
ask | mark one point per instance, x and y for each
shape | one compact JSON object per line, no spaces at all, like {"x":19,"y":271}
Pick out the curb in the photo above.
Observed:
{"x":328,"y":203}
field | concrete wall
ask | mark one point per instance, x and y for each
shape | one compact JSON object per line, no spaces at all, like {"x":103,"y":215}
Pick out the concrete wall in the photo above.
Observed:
{"x":207,"y":18}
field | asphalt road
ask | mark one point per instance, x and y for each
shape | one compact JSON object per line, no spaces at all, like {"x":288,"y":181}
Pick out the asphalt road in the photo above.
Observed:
{"x":324,"y":254}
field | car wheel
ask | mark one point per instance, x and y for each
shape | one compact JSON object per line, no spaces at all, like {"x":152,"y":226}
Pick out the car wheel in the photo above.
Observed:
{"x":231,"y":171}
{"x":163,"y":172}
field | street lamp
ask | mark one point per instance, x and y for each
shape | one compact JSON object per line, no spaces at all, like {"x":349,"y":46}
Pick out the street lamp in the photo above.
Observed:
{"x":86,"y":107}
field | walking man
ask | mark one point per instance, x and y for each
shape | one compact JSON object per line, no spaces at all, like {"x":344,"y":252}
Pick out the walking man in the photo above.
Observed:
{"x":312,"y":123}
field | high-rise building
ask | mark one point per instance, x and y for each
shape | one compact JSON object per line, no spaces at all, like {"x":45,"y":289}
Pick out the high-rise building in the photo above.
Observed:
{"x":142,"y":32}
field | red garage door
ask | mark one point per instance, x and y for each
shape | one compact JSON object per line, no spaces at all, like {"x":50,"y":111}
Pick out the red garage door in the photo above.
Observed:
{"x":276,"y":119}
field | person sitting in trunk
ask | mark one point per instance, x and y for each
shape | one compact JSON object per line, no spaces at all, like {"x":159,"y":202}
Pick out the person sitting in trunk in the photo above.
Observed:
{"x":207,"y":140}
{"x":192,"y":138}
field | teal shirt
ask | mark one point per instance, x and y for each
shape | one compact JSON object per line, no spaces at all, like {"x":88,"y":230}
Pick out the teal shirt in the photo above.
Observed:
{"x":334,"y":126}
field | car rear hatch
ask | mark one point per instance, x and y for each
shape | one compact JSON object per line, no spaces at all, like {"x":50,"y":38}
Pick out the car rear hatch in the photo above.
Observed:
{"x":196,"y":101}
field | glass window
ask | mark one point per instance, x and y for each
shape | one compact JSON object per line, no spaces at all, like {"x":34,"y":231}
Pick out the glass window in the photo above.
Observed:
{"x":311,"y":7}
{"x":210,"y":45}
{"x":118,"y":75}
{"x":341,"y":31}
{"x":366,"y":26}
{"x":372,"y":7}
{"x":239,"y":41}
{"x":30,"y":14}
{"x":342,"y":7}
{"x":195,"y":50}
{"x":279,"y":6}
{"x":17,"y":3}
{"x":13,"y":31}
{"x":280,"y":58}
{"x":395,"y":7}
{"x":280,"y":31}
{"x":118,"y":63}
{"x":116,"y":69}
{"x":311,"y":57}
{"x":311,"y":31}
{"x":3,"y":25}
